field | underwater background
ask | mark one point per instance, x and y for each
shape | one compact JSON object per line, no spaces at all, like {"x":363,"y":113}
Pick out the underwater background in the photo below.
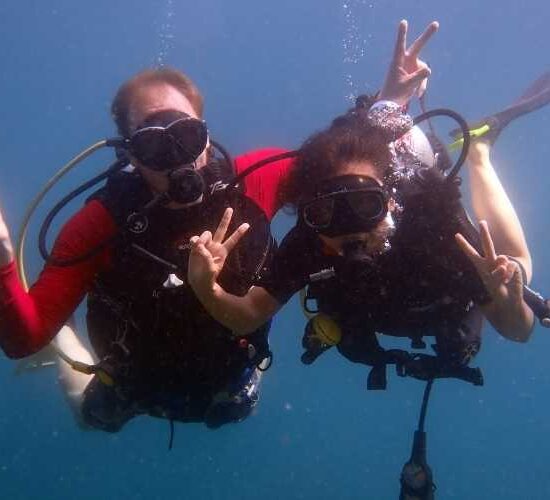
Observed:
{"x":271,"y":73}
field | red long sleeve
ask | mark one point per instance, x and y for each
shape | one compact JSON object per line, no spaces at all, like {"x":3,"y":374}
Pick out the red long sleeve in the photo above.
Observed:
{"x":264,"y":185}
{"x":29,"y":320}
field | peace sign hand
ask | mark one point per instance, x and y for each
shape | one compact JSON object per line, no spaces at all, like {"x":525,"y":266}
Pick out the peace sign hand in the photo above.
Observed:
{"x":208,"y":254}
{"x":500,"y":274}
{"x":407,"y":74}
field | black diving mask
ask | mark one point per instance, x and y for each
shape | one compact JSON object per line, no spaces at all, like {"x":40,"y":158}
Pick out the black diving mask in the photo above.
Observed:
{"x":344,"y":205}
{"x":167,"y":140}
{"x":171,"y":141}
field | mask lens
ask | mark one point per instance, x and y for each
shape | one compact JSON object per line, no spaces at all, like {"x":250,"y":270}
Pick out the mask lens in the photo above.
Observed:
{"x":190,"y":138}
{"x":318,"y":213}
{"x":181,"y":143}
{"x":367,"y":205}
{"x":150,"y":146}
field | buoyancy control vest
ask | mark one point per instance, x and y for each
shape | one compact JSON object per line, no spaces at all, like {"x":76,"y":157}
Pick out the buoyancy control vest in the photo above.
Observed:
{"x":146,"y":321}
{"x":423,"y":283}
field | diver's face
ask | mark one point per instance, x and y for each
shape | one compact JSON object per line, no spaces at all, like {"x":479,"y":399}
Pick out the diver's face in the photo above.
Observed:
{"x":376,"y":239}
{"x":151,"y":99}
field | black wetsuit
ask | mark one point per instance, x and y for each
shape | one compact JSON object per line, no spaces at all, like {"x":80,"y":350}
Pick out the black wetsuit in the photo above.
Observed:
{"x":167,"y":355}
{"x":422,"y":286}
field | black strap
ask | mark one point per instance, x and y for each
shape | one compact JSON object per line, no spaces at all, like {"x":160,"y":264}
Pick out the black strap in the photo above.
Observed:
{"x":419,"y":366}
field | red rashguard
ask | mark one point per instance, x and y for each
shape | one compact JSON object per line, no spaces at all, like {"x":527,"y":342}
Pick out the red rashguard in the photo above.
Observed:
{"x":29,"y":321}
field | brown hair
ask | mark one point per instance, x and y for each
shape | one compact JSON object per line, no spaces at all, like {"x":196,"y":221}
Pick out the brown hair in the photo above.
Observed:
{"x":120,"y":107}
{"x":349,"y":139}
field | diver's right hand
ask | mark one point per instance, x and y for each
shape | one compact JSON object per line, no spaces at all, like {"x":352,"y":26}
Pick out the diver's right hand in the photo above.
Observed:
{"x":208,"y":254}
{"x":499,"y":273}
{"x":6,"y":249}
{"x":407,"y":74}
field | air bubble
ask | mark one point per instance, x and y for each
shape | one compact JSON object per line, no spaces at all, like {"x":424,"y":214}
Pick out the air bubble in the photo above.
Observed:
{"x":354,"y":45}
{"x":166,"y":33}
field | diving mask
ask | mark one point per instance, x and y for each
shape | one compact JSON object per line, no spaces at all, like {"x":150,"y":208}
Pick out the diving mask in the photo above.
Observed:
{"x":167,"y":140}
{"x":171,"y":141}
{"x":346,"y":204}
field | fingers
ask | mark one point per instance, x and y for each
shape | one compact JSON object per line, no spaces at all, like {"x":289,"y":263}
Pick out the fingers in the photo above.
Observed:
{"x":487,"y":242}
{"x":199,"y":250}
{"x":232,"y":241}
{"x":469,"y":250}
{"x":197,"y":244}
{"x":422,"y":88}
{"x":505,"y":269}
{"x":401,"y":42}
{"x":501,"y":274}
{"x":419,"y":76}
{"x":204,"y":238}
{"x":219,"y":235}
{"x":421,"y":41}
{"x":515,"y":283}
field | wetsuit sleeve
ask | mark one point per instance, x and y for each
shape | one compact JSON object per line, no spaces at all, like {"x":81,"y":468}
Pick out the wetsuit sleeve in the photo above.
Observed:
{"x":29,"y":320}
{"x":264,"y":186}
{"x":288,"y":272}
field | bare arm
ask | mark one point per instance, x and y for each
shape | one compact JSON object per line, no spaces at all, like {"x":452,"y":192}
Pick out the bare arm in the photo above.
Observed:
{"x":507,"y":311}
{"x":491,"y":203}
{"x":242,"y":315}
{"x":513,"y":321}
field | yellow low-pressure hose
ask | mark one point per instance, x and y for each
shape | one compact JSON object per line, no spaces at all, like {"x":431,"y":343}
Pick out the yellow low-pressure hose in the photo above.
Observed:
{"x":20,"y":249}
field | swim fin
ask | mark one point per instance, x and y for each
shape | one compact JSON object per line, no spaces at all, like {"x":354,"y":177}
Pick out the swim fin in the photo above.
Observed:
{"x":488,"y":129}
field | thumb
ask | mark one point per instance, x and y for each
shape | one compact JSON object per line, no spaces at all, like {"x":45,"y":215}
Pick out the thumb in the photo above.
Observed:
{"x":200,"y":250}
{"x":515,"y":284}
{"x":419,"y":76}
{"x":202,"y":262}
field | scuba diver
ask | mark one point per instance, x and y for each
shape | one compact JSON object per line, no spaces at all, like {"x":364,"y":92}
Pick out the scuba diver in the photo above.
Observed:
{"x":159,"y":351}
{"x":383,"y":245}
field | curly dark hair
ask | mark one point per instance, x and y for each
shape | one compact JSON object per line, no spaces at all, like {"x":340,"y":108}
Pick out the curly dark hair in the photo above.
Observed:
{"x":349,"y":138}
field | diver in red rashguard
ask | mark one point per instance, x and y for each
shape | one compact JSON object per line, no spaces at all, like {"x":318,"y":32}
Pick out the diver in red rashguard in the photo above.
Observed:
{"x":127,"y":249}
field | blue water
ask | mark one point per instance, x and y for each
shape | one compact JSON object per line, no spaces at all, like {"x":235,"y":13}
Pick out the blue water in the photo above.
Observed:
{"x":272,"y":72}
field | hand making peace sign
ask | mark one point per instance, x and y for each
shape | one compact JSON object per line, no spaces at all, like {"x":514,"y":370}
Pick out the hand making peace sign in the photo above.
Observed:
{"x":208,"y":253}
{"x":501,"y":275}
{"x":407,"y":74}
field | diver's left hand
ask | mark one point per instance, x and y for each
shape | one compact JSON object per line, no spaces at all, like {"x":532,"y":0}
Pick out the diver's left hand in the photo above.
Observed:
{"x":407,"y":74}
{"x":209,"y":252}
{"x":500,"y":274}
